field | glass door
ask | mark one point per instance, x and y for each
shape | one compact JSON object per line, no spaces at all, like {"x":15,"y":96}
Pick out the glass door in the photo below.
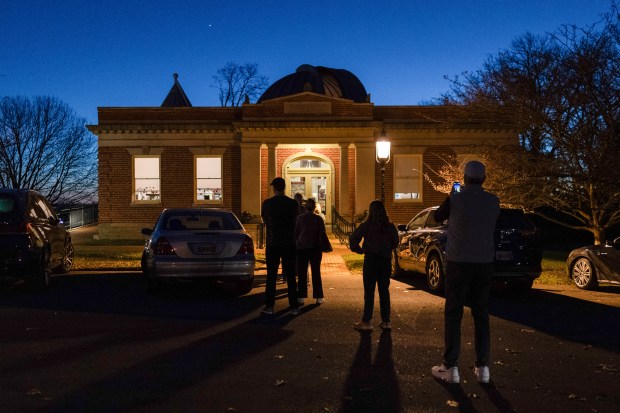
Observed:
{"x":311,"y":177}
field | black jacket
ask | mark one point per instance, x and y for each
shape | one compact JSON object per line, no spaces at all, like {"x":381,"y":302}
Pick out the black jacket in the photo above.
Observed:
{"x":376,"y":241}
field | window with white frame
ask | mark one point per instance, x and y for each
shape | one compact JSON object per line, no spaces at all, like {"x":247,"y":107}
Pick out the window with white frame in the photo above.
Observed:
{"x":146,"y":179}
{"x":209,"y":179}
{"x":407,"y":177}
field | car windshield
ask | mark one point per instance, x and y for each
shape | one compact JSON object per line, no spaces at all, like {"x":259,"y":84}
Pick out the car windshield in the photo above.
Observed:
{"x":200,"y":220}
{"x":7,"y":206}
{"x":513,"y":219}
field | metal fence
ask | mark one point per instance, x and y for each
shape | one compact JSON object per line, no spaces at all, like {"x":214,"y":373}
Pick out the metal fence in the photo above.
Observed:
{"x":341,"y":227}
{"x":79,"y":216}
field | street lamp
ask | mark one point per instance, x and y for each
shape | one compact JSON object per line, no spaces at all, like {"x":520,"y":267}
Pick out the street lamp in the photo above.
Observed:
{"x":383,"y":157}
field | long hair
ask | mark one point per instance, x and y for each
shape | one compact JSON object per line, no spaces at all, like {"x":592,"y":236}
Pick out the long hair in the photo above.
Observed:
{"x":377,"y":215}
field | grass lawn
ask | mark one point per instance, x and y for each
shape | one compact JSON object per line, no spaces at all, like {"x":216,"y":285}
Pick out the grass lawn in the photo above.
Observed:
{"x":553,"y":265}
{"x":115,"y":255}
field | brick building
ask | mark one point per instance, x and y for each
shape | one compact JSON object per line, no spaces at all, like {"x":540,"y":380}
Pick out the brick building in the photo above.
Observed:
{"x":317,"y":128}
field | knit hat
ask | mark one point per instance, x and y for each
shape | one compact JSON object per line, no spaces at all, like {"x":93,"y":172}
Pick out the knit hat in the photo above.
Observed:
{"x":475,"y":170}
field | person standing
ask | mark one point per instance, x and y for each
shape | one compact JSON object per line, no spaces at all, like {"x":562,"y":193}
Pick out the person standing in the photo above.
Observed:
{"x":471,"y":213}
{"x":279,"y":214}
{"x":380,"y":238}
{"x":308,"y":231}
{"x":300,"y":201}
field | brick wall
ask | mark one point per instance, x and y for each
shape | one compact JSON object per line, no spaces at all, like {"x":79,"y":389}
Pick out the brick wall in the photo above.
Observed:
{"x":116,"y":209}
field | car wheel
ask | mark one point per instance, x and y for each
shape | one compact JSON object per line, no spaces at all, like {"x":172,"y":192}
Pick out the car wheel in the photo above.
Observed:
{"x":435,"y":278}
{"x":396,"y":270}
{"x":245,"y":286}
{"x":152,"y":284}
{"x":583,"y":274}
{"x":67,"y":260}
{"x":40,"y":281}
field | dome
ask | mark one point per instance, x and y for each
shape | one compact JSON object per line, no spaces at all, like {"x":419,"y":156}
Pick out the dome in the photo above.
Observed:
{"x":338,"y":83}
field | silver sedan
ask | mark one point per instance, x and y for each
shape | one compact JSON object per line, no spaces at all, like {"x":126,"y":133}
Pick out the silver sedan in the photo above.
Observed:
{"x":190,"y":244}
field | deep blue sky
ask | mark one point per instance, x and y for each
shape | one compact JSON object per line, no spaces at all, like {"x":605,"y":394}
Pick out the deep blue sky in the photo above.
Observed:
{"x":123,"y":53}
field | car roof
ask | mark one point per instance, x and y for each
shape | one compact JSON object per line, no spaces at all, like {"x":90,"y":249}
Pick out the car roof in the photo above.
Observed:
{"x":181,"y":210}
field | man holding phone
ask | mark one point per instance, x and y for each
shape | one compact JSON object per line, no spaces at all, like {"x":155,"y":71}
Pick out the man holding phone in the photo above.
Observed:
{"x":471,"y":213}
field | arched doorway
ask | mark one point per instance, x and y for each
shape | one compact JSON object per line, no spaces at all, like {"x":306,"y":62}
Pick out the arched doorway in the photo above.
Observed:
{"x":311,"y":176}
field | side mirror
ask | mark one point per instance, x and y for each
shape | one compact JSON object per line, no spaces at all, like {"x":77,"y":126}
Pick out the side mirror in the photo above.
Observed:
{"x":402,"y":227}
{"x":147,"y":231}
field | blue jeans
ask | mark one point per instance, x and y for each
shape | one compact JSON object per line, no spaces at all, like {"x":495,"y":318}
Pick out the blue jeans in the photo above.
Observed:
{"x":471,"y":283}
{"x":273,"y":255}
{"x":376,"y":272}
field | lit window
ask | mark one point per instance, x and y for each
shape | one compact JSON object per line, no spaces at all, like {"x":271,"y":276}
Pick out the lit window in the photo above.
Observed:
{"x":209,"y":179}
{"x":407,"y":177}
{"x":146,"y":178}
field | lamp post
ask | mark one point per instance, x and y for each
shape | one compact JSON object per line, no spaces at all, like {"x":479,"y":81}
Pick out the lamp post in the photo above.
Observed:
{"x":383,"y":157}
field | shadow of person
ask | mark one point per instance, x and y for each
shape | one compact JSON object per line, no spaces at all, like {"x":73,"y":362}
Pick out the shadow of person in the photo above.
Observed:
{"x":503,"y":405}
{"x":372,"y":387}
{"x":458,"y":398}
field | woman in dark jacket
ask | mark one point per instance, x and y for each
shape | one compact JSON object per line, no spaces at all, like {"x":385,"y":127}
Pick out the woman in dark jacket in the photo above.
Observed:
{"x":380,"y":239}
{"x":308,"y":230}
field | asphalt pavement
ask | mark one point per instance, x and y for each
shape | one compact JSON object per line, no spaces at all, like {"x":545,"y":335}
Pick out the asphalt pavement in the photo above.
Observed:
{"x":97,"y":342}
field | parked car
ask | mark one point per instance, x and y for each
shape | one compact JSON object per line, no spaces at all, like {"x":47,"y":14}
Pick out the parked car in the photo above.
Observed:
{"x":588,"y":266}
{"x":518,"y":249}
{"x":33,"y":240}
{"x":191,"y":244}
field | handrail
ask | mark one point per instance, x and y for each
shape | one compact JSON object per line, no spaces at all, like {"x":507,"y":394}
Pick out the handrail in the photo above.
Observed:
{"x":79,"y":216}
{"x":341,"y":227}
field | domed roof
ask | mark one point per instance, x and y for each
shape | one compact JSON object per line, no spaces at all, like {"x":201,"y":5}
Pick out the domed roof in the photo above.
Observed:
{"x":318,"y":79}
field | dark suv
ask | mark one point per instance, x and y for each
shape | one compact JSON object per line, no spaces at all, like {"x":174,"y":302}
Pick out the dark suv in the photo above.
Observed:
{"x":33,"y":241}
{"x":518,"y":249}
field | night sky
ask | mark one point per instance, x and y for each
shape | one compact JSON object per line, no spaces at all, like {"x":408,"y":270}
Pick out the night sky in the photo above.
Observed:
{"x":124,"y":53}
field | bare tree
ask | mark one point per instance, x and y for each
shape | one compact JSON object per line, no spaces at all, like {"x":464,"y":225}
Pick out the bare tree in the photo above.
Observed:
{"x":562,"y":92}
{"x":44,"y":145}
{"x":239,"y":83}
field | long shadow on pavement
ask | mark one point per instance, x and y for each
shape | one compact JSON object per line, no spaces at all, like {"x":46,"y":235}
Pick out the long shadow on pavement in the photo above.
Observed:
{"x":563,"y":316}
{"x":372,"y":387}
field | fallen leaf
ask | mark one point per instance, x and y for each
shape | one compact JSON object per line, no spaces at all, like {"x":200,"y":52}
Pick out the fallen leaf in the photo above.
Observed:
{"x":452,"y":403}
{"x":33,"y":392}
{"x":280,"y":383}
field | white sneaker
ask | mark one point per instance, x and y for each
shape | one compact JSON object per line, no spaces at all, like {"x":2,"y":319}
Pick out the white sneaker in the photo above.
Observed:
{"x":483,"y":375}
{"x":295,"y":311}
{"x":267,"y":310}
{"x":320,"y":300}
{"x":300,"y":301}
{"x":450,"y":375}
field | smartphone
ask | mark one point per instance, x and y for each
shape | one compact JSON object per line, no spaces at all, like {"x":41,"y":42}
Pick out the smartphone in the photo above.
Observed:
{"x":456,"y":187}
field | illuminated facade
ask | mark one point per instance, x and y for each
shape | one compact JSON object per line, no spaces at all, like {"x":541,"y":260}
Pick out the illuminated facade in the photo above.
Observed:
{"x":316,"y":128}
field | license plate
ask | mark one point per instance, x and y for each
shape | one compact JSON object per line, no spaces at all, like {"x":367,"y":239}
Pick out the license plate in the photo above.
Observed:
{"x":503,"y":255}
{"x":202,"y":248}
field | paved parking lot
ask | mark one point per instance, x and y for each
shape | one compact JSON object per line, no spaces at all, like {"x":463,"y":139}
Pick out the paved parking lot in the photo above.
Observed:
{"x":98,"y":342}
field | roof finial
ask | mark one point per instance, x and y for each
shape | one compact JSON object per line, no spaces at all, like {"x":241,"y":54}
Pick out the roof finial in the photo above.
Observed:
{"x":175,"y":76}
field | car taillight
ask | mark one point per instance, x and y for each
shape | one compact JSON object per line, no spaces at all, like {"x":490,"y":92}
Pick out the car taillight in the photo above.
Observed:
{"x":247,"y":247}
{"x":25,"y":228}
{"x":163,"y":247}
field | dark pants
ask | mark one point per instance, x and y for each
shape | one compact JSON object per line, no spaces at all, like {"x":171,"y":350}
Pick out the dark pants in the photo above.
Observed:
{"x":471,"y":283}
{"x":376,"y":272}
{"x":314,"y":257}
{"x":273,"y":255}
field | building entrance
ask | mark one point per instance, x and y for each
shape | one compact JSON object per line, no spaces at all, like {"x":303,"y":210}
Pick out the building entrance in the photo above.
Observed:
{"x":312,"y":178}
